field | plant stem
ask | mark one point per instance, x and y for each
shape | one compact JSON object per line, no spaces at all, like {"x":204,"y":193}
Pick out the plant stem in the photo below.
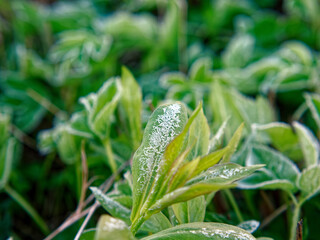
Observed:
{"x":78,"y":178}
{"x":28,"y":208}
{"x":86,"y":220}
{"x":294,"y":221}
{"x":109,"y":153}
{"x":234,"y":204}
{"x":273,"y":215}
{"x":44,"y":102}
{"x":136,"y":225}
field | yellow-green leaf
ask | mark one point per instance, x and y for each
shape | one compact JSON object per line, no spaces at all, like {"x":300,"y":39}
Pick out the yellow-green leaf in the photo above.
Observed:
{"x":110,"y":228}
{"x":131,"y":101}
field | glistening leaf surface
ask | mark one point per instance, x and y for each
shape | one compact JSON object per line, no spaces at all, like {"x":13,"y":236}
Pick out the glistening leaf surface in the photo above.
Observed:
{"x":172,"y":158}
{"x":113,"y":207}
{"x":250,"y":225}
{"x":164,"y":125}
{"x":224,"y":173}
{"x":202,"y":231}
{"x":279,"y":172}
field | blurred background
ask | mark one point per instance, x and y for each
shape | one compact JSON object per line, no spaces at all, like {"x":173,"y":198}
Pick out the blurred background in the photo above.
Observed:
{"x":256,"y":60}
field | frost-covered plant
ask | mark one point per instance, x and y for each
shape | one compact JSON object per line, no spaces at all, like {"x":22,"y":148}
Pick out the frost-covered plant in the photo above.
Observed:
{"x":294,"y":142}
{"x":173,"y":169}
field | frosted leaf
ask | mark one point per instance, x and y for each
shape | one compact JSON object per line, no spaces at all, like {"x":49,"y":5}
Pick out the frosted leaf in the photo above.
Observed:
{"x":114,"y":208}
{"x":203,"y":231}
{"x":250,"y":226}
{"x":166,"y":122}
{"x":162,"y":133}
{"x":225,"y":173}
{"x":113,"y":224}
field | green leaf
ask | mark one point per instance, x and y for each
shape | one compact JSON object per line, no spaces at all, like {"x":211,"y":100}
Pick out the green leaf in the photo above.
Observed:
{"x":202,"y":231}
{"x":79,"y":125}
{"x":239,"y":51}
{"x":22,"y":96}
{"x":183,"y":174}
{"x":7,"y":152}
{"x":279,"y":172}
{"x":297,"y":51}
{"x":309,"y":144}
{"x":156,"y":223}
{"x":200,"y":70}
{"x":113,"y":207}
{"x":46,"y":143}
{"x":165,"y":168}
{"x":166,"y":122}
{"x":217,"y":139}
{"x":228,"y":103}
{"x":190,"y":211}
{"x":131,"y":100}
{"x":172,"y":158}
{"x":209,"y":160}
{"x":224,"y":174}
{"x":4,"y":128}
{"x":309,"y":182}
{"x":313,"y":102}
{"x":233,"y":144}
{"x":200,"y":134}
{"x":88,"y":234}
{"x":110,"y":228}
{"x":101,"y":105}
{"x":68,"y":145}
{"x":128,"y":30}
{"x":76,"y":53}
{"x":184,"y":194}
{"x":281,"y":136}
{"x":172,"y":27}
{"x":250,"y":225}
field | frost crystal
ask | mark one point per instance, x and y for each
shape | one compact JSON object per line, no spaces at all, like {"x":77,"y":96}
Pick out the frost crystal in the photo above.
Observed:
{"x":224,"y":234}
{"x":225,"y":172}
{"x":162,"y":133}
{"x":113,"y":224}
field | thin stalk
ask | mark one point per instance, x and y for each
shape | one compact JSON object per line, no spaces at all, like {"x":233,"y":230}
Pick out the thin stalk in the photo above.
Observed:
{"x":77,"y":215}
{"x":109,"y":153}
{"x":294,"y":221}
{"x":23,"y":137}
{"x":273,"y":216}
{"x":78,"y":178}
{"x":28,"y":208}
{"x":86,"y":220}
{"x":44,"y":102}
{"x":84,"y":168}
{"x":136,"y":225}
{"x":234,"y":204}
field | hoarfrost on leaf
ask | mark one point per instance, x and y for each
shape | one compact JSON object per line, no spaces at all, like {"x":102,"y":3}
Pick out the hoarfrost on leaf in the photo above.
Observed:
{"x":162,"y":133}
